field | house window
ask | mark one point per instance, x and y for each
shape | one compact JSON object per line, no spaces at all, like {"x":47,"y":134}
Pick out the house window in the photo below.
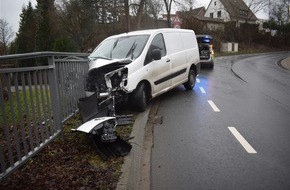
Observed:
{"x":211,"y":15}
{"x":219,"y":14}
{"x":215,"y":3}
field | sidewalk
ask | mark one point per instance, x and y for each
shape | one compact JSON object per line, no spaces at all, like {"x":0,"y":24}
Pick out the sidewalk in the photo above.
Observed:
{"x":131,"y":169}
{"x":286,"y":63}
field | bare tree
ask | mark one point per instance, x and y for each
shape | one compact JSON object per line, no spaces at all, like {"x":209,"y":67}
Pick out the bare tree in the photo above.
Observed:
{"x":136,"y":9}
{"x":185,"y":5}
{"x":141,"y":7}
{"x":182,"y":5}
{"x":168,"y":4}
{"x":279,"y":11}
{"x":6,"y":34}
{"x":139,"y":13}
{"x":257,"y":5}
{"x":127,"y":14}
{"x":154,"y":7}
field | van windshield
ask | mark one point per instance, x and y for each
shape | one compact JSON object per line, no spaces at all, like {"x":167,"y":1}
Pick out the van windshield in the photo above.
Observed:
{"x":128,"y":47}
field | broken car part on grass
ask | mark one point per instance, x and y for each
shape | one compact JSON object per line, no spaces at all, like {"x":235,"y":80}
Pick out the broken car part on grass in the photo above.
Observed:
{"x":100,"y":122}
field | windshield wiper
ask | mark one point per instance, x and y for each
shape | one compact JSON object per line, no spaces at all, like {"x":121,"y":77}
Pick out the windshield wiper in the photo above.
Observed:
{"x":131,"y":50}
{"x":114,"y":45}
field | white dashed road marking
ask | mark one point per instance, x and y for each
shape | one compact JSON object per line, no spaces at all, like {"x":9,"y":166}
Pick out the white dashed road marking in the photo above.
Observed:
{"x":242,"y":140}
{"x":214,"y":107}
{"x":202,"y":90}
{"x":233,"y":130}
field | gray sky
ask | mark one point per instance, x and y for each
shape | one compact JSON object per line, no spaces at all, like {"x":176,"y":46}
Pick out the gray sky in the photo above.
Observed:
{"x":11,"y":9}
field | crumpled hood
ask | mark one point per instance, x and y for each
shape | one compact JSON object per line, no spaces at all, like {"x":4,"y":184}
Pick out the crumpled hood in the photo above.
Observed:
{"x":98,"y":63}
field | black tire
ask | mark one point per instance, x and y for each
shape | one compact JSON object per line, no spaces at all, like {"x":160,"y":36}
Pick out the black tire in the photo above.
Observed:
{"x":139,"y":98}
{"x":189,"y":85}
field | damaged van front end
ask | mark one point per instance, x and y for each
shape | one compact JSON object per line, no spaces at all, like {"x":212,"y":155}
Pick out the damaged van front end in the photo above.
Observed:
{"x":109,"y":66}
{"x":107,"y":77}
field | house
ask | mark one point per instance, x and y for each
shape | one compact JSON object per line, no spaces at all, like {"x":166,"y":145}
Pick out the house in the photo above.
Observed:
{"x":194,"y":19}
{"x":230,"y":11}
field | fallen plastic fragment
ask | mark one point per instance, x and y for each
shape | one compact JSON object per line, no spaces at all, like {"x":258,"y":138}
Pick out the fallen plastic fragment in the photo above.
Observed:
{"x":100,"y":122}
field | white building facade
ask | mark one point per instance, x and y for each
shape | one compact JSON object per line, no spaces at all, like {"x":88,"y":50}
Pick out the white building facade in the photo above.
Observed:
{"x":217,"y":10}
{"x":230,"y":10}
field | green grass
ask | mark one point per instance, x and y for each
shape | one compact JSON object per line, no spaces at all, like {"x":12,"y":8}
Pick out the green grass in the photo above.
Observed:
{"x":29,"y":102}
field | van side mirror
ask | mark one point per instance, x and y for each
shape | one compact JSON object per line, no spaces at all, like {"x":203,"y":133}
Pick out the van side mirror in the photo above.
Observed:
{"x":156,"y":54}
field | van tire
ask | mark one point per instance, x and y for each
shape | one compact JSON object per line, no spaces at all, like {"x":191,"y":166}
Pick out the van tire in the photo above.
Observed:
{"x":189,"y":85}
{"x":139,"y":98}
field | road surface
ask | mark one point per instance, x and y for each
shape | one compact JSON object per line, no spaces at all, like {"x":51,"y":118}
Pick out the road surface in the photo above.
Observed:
{"x":231,"y":132}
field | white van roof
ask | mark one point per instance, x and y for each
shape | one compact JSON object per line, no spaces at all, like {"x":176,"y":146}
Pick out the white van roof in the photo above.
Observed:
{"x":151,"y":31}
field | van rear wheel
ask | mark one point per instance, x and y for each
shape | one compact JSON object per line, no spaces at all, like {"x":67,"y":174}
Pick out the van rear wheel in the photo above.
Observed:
{"x":189,"y":85}
{"x":139,"y":98}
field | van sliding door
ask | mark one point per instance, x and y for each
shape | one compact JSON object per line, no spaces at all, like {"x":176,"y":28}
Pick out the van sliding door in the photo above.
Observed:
{"x":177,"y":56}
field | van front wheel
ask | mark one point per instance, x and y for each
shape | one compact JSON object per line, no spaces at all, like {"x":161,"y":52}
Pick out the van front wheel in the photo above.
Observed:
{"x":139,"y":98}
{"x":189,"y":85}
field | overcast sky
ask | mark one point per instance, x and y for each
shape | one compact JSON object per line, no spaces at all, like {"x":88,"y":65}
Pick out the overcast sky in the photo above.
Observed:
{"x":11,"y":9}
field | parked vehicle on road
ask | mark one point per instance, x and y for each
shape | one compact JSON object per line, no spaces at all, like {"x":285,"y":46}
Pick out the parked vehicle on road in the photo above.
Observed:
{"x":206,"y":51}
{"x":141,"y":65}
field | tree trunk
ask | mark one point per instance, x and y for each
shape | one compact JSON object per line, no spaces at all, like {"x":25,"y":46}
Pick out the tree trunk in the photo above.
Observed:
{"x":139,"y":14}
{"x":127,"y":15}
{"x":168,"y":9}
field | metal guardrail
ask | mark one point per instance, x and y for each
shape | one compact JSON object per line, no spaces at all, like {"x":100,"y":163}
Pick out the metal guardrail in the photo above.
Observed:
{"x":35,"y":102}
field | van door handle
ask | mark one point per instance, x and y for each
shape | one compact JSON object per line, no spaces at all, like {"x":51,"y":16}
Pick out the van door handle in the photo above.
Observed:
{"x":167,"y":60}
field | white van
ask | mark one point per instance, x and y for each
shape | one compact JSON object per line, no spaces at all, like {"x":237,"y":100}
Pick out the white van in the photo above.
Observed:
{"x":141,"y":65}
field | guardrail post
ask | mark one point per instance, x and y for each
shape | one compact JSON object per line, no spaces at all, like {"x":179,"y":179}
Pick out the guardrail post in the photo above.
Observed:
{"x":54,"y":93}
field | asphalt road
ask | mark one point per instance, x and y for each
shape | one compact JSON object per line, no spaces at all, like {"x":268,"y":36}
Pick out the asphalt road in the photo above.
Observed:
{"x":231,"y":132}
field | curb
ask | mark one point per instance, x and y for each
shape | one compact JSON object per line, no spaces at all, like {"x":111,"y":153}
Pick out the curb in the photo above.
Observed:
{"x":130,"y":176}
{"x":285,"y":63}
{"x":136,"y":169}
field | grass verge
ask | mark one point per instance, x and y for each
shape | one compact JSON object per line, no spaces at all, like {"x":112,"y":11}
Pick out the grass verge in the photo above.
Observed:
{"x":70,"y":162}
